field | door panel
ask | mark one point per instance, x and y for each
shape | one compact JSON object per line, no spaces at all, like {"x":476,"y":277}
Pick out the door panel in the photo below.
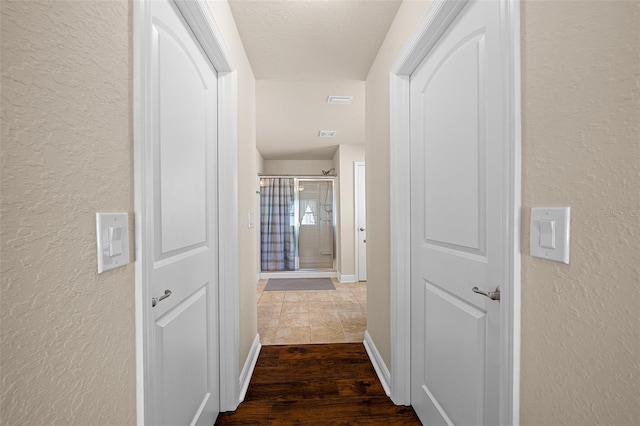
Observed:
{"x":182,"y":170}
{"x":457,"y":347}
{"x":180,"y":349}
{"x":184,"y":378}
{"x":457,"y":222}
{"x":455,"y":212}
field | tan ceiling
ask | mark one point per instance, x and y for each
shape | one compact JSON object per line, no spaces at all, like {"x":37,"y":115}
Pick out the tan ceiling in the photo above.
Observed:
{"x":312,"y":39}
{"x":289,"y":115}
{"x":302,"y":51}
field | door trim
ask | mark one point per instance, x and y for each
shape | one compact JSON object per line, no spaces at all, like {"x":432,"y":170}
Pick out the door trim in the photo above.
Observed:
{"x":200,"y":19}
{"x":438,"y":18}
{"x":356,"y":214}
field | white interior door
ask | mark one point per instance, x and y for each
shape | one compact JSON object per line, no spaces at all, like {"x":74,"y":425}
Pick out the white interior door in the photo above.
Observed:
{"x":180,"y":228}
{"x":458,"y":222}
{"x":361,"y":221}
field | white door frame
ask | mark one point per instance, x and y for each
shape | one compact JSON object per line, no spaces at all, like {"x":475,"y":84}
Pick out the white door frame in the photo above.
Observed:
{"x":438,"y":18}
{"x":356,"y":213}
{"x":200,"y":19}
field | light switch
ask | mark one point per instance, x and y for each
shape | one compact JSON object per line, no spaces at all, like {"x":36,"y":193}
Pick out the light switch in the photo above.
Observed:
{"x":112,"y":240}
{"x":550,"y":233}
{"x":115,"y":241}
{"x":547,"y":233}
{"x":250,"y":220}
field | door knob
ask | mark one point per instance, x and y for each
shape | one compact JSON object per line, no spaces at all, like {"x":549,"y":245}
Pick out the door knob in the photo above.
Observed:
{"x":493,"y":295}
{"x":155,"y":300}
{"x":363,"y":229}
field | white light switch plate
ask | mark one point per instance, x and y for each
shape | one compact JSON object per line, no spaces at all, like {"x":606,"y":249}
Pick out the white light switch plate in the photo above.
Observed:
{"x":550,"y":233}
{"x":112,"y":240}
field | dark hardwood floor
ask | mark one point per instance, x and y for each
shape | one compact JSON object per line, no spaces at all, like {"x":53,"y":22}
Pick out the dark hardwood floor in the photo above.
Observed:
{"x":330,"y":384}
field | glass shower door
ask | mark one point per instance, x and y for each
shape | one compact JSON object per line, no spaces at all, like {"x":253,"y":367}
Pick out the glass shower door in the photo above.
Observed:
{"x":315,"y":224}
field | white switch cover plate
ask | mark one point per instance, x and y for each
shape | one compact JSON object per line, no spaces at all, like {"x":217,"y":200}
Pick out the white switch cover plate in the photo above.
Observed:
{"x":550,"y":233}
{"x":113,"y":240}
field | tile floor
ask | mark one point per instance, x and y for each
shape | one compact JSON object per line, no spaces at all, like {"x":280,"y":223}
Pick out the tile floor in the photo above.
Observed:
{"x":313,"y":316}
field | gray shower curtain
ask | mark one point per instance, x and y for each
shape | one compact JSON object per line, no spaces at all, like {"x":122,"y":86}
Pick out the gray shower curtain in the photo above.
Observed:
{"x":277,"y":240}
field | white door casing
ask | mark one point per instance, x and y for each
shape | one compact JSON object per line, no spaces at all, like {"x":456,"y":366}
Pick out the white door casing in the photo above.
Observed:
{"x":443,"y":239}
{"x":360,"y":221}
{"x":187,"y":368}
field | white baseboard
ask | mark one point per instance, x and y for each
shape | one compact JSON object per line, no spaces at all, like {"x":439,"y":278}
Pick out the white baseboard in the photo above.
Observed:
{"x":249,"y":365}
{"x":378,"y":364}
{"x":347,"y":278}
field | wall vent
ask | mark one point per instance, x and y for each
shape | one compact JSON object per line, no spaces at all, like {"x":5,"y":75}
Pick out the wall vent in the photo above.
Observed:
{"x":339,"y":100}
{"x":327,"y":134}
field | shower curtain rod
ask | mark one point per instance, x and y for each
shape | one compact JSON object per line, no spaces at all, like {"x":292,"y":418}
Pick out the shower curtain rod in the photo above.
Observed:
{"x":299,"y":176}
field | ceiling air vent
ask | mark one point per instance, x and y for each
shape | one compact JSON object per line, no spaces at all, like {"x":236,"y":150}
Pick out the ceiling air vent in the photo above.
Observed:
{"x":340,"y":100}
{"x":327,"y":134}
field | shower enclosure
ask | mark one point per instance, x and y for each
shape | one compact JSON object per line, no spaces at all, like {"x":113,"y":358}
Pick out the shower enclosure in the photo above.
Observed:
{"x":297,"y":223}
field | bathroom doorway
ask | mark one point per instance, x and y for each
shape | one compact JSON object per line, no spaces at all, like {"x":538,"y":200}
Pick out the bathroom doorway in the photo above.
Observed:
{"x":297,"y":224}
{"x":298,"y":240}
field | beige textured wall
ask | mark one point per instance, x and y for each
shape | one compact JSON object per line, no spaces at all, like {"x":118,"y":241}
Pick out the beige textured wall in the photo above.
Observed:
{"x":259,"y":162}
{"x":346,"y":221}
{"x":580,"y":116}
{"x":67,"y":334}
{"x":296,"y":167}
{"x":336,"y":165}
{"x":581,"y":119}
{"x":377,"y":176}
{"x":247,"y":171}
{"x":259,"y":169}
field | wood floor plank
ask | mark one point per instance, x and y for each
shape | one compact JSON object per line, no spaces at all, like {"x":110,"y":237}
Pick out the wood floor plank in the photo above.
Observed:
{"x":298,"y":374}
{"x":321,"y":360}
{"x":293,"y":390}
{"x":332,"y":384}
{"x":349,"y":421}
{"x":300,"y":410}
{"x":272,"y":361}
{"x":252,"y":413}
{"x":360,"y":387}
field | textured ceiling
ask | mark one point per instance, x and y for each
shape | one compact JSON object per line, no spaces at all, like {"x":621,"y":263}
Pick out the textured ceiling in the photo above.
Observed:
{"x":312,"y":39}
{"x":302,"y":51}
